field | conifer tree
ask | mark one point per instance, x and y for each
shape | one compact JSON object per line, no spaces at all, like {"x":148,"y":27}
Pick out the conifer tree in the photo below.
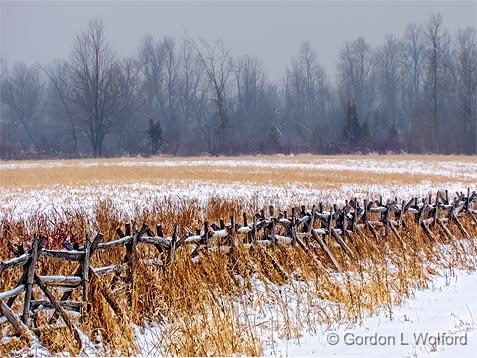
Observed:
{"x":154,"y":136}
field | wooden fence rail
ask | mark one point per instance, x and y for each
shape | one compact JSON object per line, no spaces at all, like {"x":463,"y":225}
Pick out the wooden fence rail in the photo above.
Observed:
{"x":300,"y":229}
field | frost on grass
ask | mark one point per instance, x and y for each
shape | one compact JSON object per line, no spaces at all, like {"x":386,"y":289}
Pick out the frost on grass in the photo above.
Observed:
{"x":288,"y":320}
{"x":448,"y":306}
{"x":285,"y":325}
{"x":138,"y":196}
{"x":448,"y":168}
{"x":25,"y":201}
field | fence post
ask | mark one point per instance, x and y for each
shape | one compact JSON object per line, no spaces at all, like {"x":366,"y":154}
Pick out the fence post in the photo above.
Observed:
{"x":248,"y":239}
{"x":30,"y":279}
{"x":130,"y":257}
{"x":401,"y":214}
{"x":79,"y":272}
{"x":172,"y":249}
{"x":206,"y":233}
{"x":127,"y":228}
{"x":365,"y":215}
{"x":273,"y":238}
{"x":355,"y":215}
{"x":385,"y":218}
{"x":159,"y":232}
{"x":311,"y":220}
{"x":17,"y":324}
{"x":254,"y":230}
{"x":58,"y":309}
{"x":467,"y":200}
{"x":293,"y":227}
{"x":232,"y":231}
{"x":271,"y":210}
{"x":85,"y":279}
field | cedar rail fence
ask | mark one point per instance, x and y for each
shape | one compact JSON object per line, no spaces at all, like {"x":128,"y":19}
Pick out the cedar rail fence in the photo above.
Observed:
{"x":305,"y":228}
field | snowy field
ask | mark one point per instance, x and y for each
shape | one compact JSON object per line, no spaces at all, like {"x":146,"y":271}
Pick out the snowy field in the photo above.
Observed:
{"x":23,"y":203}
{"x":438,"y":321}
{"x":453,"y":169}
{"x":312,"y":179}
{"x":447,"y":308}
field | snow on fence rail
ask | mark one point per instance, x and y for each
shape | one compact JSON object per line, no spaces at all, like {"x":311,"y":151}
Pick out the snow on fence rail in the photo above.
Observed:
{"x":304,"y":229}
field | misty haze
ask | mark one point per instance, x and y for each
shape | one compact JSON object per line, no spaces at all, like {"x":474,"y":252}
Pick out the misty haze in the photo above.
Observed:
{"x":237,"y":78}
{"x":233,"y":178}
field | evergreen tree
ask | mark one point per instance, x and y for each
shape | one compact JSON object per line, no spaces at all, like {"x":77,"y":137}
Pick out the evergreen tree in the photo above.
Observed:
{"x":393,"y":139}
{"x":352,"y":131}
{"x":271,"y":142}
{"x":364,"y":133}
{"x":154,"y":136}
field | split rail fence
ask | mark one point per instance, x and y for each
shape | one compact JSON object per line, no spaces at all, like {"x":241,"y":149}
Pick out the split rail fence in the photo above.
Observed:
{"x":303,"y":228}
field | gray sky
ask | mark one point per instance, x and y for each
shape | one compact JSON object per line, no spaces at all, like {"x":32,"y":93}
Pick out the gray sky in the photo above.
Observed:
{"x":40,"y":31}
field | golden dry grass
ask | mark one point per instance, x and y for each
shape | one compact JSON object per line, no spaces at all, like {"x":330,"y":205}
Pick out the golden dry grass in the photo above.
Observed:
{"x":106,"y":172}
{"x":202,"y":308}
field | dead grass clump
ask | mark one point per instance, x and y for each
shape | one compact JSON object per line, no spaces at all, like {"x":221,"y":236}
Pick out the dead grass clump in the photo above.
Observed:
{"x":108,"y":328}
{"x":213,"y":331}
{"x":13,"y":345}
{"x":58,"y":340}
{"x":224,"y":301}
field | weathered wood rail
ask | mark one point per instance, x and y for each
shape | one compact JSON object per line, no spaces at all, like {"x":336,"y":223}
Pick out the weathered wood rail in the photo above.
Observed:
{"x":301,"y":229}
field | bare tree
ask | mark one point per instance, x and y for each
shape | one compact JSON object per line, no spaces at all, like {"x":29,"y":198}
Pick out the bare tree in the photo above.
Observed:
{"x":218,"y":66}
{"x":190,"y":83}
{"x":131,"y":103}
{"x":250,"y":79}
{"x":466,"y":63}
{"x":354,"y":73}
{"x":308,"y":59}
{"x":388,"y":69}
{"x":171,"y":77}
{"x":435,"y":36}
{"x":160,"y":66}
{"x":151,"y":63}
{"x":423,"y":85}
{"x":413,"y":57}
{"x":61,"y":97}
{"x":96,"y":84}
{"x":23,"y":95}
{"x":307,"y":93}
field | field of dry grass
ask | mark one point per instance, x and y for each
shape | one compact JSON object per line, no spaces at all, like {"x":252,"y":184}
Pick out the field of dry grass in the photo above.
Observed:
{"x":227,"y":303}
{"x":51,"y":186}
{"x":317,"y":171}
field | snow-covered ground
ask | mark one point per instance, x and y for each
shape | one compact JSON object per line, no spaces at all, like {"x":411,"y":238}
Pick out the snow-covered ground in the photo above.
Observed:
{"x":23,"y":201}
{"x":448,"y":308}
{"x":451,"y":169}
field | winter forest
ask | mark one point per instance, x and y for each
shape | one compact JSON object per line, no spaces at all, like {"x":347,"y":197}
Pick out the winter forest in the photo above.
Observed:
{"x":415,"y":92}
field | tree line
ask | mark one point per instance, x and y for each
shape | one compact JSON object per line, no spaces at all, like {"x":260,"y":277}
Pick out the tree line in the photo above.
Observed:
{"x":414,"y":93}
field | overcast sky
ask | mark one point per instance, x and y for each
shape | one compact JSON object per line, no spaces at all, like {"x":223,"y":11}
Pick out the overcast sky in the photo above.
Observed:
{"x":40,"y":31}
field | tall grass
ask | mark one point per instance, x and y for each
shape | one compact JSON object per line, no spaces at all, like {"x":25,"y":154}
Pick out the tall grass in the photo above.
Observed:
{"x":228,"y":304}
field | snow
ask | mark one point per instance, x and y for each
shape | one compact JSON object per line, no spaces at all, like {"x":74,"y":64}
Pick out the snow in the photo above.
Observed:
{"x":26,"y":201}
{"x":449,"y":168}
{"x":448,"y":307}
{"x":52,"y":200}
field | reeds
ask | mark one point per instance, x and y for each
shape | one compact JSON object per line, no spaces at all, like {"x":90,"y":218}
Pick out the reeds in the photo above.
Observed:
{"x":229,"y":304}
